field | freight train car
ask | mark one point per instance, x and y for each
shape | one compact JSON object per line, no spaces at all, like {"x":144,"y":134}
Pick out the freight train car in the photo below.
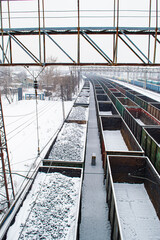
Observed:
{"x":133,"y":196}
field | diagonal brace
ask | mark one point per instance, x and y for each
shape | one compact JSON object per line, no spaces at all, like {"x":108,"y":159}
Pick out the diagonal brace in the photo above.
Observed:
{"x":94,"y":45}
{"x":59,"y":46}
{"x":136,"y":47}
{"x":156,"y":39}
{"x":7,"y":47}
{"x":4,"y":54}
{"x":29,"y":53}
{"x":131,"y":49}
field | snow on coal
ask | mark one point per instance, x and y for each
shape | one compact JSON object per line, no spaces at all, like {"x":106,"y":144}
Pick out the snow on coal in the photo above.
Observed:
{"x":78,"y":113}
{"x":83,"y":99}
{"x":70,"y":143}
{"x":50,"y":209}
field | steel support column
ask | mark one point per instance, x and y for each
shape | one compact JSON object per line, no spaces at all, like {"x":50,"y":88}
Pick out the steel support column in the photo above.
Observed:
{"x":155,"y":42}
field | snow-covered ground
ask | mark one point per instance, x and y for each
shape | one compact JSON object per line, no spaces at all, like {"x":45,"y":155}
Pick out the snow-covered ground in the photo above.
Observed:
{"x":138,"y":217}
{"x":50,"y":209}
{"x":21,"y":131}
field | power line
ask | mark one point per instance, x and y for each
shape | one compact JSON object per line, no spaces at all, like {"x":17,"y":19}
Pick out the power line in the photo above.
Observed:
{"x":73,"y":17}
{"x":42,"y":113}
{"x":83,"y":10}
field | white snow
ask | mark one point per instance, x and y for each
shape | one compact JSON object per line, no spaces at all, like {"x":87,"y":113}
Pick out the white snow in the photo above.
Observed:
{"x":105,"y":113}
{"x":140,"y":122}
{"x":79,"y":113}
{"x":137,"y":215}
{"x":85,"y":93}
{"x":50,"y":209}
{"x":114,"y":141}
{"x":83,"y":99}
{"x":20,"y":123}
{"x":70,"y":143}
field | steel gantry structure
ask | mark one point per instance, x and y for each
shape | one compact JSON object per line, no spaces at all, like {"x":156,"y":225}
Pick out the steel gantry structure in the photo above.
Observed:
{"x":119,"y":34}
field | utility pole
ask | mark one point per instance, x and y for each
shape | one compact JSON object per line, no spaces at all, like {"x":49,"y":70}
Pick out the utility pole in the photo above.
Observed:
{"x":62,"y":97}
{"x":38,"y":141}
{"x":7,"y":194}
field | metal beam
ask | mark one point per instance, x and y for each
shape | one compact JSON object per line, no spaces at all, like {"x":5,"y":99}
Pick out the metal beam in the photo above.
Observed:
{"x":137,"y":47}
{"x":5,"y":57}
{"x":78,"y":30}
{"x":149,"y":36}
{"x":156,"y":39}
{"x":59,"y":46}
{"x":132,"y":49}
{"x":87,"y":30}
{"x":99,"y":50}
{"x":29,"y":53}
{"x":156,"y":31}
{"x":106,"y":64}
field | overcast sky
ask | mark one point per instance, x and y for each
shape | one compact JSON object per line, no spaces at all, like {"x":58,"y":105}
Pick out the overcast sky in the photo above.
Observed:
{"x":96,"y":14}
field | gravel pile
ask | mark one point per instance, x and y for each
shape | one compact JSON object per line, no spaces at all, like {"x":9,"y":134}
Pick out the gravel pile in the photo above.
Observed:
{"x":78,"y":113}
{"x":83,"y":99}
{"x":70,"y":143}
{"x":84,"y":93}
{"x":53,"y":208}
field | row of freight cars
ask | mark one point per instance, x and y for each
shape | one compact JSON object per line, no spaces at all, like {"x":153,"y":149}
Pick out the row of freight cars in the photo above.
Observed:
{"x":150,"y":86}
{"x":49,"y":207}
{"x":132,"y":182}
{"x":144,"y":125}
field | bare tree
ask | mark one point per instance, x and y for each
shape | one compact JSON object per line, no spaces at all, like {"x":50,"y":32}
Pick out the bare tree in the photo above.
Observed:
{"x":48,"y":78}
{"x":52,"y":80}
{"x":6,"y":83}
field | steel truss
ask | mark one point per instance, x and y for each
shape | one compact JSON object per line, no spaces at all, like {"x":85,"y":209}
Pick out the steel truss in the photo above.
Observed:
{"x":6,"y":184}
{"x":119,"y":34}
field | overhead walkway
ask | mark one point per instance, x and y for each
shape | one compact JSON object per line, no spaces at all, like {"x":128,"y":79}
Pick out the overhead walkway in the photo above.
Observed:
{"x":94,"y":214}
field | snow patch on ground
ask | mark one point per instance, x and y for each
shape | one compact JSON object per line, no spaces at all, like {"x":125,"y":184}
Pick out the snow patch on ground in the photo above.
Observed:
{"x":50,"y":209}
{"x":70,"y":143}
{"x":137,"y":215}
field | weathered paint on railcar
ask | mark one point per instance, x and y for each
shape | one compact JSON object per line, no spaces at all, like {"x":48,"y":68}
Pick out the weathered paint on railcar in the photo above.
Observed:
{"x":150,"y":143}
{"x":143,"y":101}
{"x":131,"y":117}
{"x":134,"y":170}
{"x":154,"y":109}
{"x":122,"y":103}
{"x":117,"y":123}
{"x":132,"y":94}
